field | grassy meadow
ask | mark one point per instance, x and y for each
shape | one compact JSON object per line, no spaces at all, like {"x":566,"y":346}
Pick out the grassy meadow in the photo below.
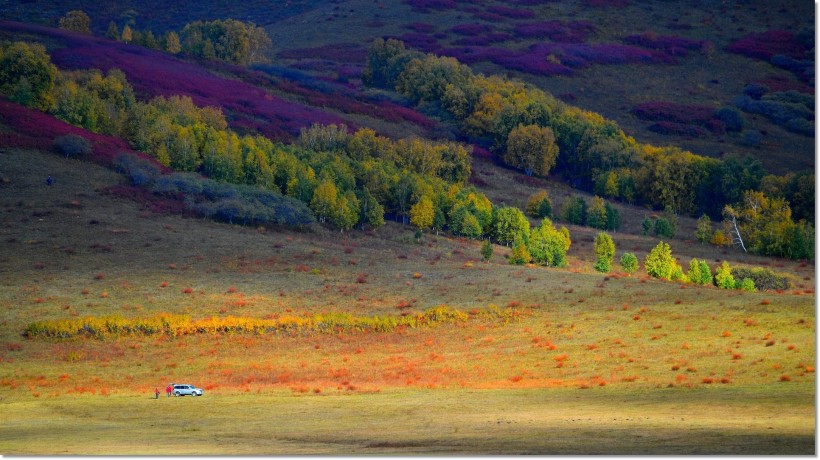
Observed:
{"x":572,"y":361}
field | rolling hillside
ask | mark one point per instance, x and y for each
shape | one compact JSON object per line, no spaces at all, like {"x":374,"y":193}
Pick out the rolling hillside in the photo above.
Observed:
{"x":373,"y":336}
{"x":612,"y":57}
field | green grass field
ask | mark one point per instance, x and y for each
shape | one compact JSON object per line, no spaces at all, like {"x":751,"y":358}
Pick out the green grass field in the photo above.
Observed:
{"x":726,"y":420}
{"x":584,"y":362}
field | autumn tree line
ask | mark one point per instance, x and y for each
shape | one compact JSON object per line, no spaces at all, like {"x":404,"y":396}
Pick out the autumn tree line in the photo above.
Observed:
{"x":347,"y":179}
{"x":529,"y":129}
{"x":228,"y":40}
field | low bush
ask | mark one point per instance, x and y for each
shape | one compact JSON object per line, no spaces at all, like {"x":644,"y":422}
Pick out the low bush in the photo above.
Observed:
{"x":179,"y":325}
{"x":72,"y":145}
{"x":745,"y":284}
{"x":629,"y":263}
{"x":141,"y":171}
{"x":763,"y":278}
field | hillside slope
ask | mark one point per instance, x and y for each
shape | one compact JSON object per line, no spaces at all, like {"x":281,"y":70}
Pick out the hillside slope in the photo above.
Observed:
{"x":709,"y":52}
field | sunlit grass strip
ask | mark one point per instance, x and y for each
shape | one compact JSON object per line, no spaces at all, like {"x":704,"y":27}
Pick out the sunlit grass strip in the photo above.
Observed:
{"x":179,"y":325}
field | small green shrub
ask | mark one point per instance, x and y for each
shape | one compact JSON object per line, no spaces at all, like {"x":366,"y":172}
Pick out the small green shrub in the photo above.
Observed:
{"x":486,"y":250}
{"x":723,"y":276}
{"x":664,"y":228}
{"x":646,"y":225}
{"x":745,"y":284}
{"x":629,"y":263}
{"x":604,"y":252}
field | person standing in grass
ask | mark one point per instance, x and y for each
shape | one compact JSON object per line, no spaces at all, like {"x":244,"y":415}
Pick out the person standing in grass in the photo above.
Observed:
{"x":156,"y":393}
{"x":168,"y":390}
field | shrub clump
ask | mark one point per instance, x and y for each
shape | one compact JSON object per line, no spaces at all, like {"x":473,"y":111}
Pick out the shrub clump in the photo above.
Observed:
{"x":763,"y":278}
{"x":72,"y":145}
{"x":745,"y":284}
{"x":141,"y":171}
{"x":234,"y":203}
{"x":723,"y":276}
{"x":629,"y":263}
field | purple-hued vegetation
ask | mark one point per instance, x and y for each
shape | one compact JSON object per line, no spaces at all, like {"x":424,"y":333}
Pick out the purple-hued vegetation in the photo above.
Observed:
{"x":424,"y":6}
{"x":422,"y":42}
{"x":484,"y":40}
{"x":481,"y":152}
{"x":34,"y":129}
{"x":557,"y":58}
{"x":471,"y":29}
{"x":153,"y":73}
{"x":778,"y":83}
{"x":678,"y":113}
{"x":337,"y":52}
{"x":677,"y":129}
{"x":559,"y":31}
{"x":489,"y":17}
{"x":770,"y":43}
{"x":674,"y":46}
{"x":514,"y":13}
{"x":680,"y":119}
{"x":420,"y":27}
{"x":606,"y":3}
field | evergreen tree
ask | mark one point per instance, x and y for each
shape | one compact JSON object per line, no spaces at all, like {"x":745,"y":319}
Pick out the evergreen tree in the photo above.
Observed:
{"x":113,"y":31}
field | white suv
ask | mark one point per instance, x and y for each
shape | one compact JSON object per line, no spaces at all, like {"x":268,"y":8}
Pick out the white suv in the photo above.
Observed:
{"x":182,"y":390}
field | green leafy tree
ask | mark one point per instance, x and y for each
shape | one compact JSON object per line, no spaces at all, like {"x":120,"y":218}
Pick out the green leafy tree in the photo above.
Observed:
{"x":723,"y":276}
{"x":629,"y":263}
{"x":659,"y":263}
{"x":346,"y":213}
{"x":596,"y":213}
{"x":531,"y":148}
{"x":664,"y":228}
{"x":574,"y":211}
{"x":703,"y":232}
{"x":486,"y":250}
{"x":549,"y":246}
{"x":520,"y":255}
{"x":470,"y":227}
{"x":539,"y":204}
{"x":27,"y":75}
{"x":372,"y":213}
{"x":77,"y":21}
{"x":422,"y":214}
{"x":509,"y":223}
{"x":613,"y":217}
{"x":699,"y":272}
{"x":324,"y":201}
{"x":604,"y":252}
{"x":646,"y":226}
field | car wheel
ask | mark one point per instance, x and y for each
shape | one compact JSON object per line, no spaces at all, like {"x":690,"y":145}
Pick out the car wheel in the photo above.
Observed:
{"x":176,"y":393}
